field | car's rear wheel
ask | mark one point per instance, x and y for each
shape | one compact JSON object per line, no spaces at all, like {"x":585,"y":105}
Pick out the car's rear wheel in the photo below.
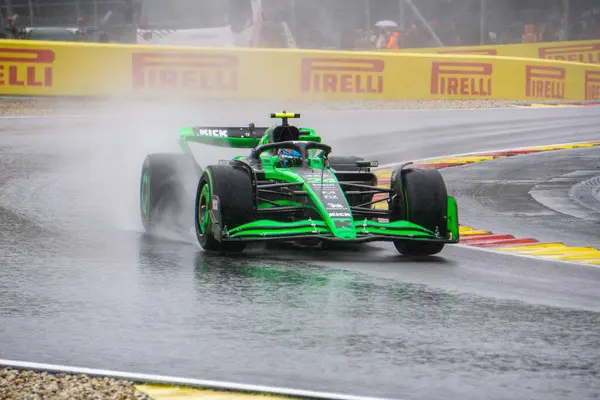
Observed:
{"x":421,"y":197}
{"x":228,"y":192}
{"x":167,"y":190}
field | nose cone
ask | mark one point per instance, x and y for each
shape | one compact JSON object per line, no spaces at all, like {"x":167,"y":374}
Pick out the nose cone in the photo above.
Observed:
{"x":331,"y":203}
{"x":343,"y":228}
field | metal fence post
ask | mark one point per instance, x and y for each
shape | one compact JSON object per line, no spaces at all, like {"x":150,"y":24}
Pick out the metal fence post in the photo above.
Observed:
{"x":567,"y":16}
{"x":30,"y":4}
{"x":294,"y":18}
{"x":402,"y":23}
{"x":9,"y":8}
{"x":482,"y":22}
{"x":95,"y":13}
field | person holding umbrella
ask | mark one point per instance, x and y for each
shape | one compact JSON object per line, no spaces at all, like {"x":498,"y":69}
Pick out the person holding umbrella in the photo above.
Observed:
{"x":389,"y":36}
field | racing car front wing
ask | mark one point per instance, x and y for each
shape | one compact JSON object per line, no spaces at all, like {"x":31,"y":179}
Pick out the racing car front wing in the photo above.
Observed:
{"x":366,"y":231}
{"x":361,"y":230}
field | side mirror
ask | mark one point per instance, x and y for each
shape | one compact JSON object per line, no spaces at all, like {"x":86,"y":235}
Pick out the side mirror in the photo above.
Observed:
{"x":367,"y":164}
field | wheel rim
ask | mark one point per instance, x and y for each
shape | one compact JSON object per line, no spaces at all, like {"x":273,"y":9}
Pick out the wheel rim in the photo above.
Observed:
{"x":145,"y":194}
{"x":203,"y":217}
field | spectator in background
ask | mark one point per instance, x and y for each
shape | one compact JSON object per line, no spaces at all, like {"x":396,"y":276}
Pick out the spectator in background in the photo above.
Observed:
{"x":590,"y":28}
{"x":513,"y":33}
{"x":552,"y":30}
{"x":412,"y":36}
{"x":389,"y":35}
{"x":529,"y":35}
{"x":393,"y":41}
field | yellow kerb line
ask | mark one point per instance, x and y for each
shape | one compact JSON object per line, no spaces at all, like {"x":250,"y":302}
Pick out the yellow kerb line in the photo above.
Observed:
{"x":461,"y":160}
{"x":587,"y":256}
{"x":180,"y":393}
{"x":562,"y":147}
{"x":561,"y":256}
{"x":473,"y":233}
{"x":384,"y":173}
{"x":557,"y":251}
{"x":465,"y":229}
{"x":538,"y":246}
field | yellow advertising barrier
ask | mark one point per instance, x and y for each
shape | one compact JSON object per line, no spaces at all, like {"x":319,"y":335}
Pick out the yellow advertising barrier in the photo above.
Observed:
{"x":110,"y":70}
{"x":585,"y":51}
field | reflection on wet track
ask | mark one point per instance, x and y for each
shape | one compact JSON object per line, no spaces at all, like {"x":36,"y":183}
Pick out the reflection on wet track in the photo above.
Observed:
{"x":81,"y":285}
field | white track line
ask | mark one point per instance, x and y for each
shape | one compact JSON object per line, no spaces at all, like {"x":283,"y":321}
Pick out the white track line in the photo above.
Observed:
{"x":170,"y":380}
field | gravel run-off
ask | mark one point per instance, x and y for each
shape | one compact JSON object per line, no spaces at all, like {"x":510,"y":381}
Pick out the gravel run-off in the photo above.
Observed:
{"x":26,"y":385}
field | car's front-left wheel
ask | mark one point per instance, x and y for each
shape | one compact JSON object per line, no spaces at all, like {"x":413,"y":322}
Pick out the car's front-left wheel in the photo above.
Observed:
{"x":223,"y":201}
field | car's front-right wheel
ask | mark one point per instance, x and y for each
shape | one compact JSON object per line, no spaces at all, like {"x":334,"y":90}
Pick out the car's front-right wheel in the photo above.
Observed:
{"x":420,"y":197}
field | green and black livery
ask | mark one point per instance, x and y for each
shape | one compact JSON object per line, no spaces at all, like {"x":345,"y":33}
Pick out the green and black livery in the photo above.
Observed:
{"x":315,"y":198}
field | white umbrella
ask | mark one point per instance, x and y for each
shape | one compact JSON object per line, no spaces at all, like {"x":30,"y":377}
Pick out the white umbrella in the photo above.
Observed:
{"x":386,"y":24}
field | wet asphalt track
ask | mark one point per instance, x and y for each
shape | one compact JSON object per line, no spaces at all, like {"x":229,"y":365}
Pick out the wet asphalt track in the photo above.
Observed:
{"x":80,"y":285}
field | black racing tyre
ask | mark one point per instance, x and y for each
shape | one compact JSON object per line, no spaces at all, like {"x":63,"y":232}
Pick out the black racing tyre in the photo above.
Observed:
{"x":167,"y":189}
{"x":421,"y":198}
{"x":344,"y":163}
{"x":233,"y":188}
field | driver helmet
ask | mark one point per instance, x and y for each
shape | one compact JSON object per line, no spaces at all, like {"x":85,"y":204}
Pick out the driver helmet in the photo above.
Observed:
{"x":288,"y":153}
{"x":289,"y":157}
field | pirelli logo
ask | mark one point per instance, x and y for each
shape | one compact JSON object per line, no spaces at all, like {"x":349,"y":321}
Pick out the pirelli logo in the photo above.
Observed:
{"x":545,"y":82}
{"x":592,"y":85}
{"x":342,"y":75}
{"x":461,"y":79}
{"x":585,"y":53}
{"x":26,"y":67}
{"x":185,"y":70}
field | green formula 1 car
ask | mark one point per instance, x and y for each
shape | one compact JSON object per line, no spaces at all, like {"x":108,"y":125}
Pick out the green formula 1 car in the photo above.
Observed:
{"x":289,"y":188}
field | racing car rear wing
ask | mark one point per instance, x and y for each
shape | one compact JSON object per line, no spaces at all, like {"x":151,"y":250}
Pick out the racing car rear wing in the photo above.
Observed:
{"x":235,"y":137}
